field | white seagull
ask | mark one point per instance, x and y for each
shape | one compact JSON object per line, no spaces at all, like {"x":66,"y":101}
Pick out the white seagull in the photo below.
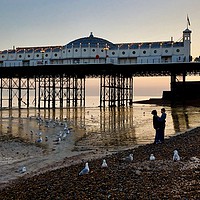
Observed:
{"x":85,"y":170}
{"x":104,"y":164}
{"x":40,"y":133}
{"x":59,"y":140}
{"x":22,"y":170}
{"x":176,"y":157}
{"x":152,"y":157}
{"x":64,"y":135}
{"x":129,"y":158}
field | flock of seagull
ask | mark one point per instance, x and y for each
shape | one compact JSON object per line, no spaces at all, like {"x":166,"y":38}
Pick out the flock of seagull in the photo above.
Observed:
{"x":62,"y":136}
{"x":51,"y":123}
{"x":40,"y":137}
{"x":129,"y":158}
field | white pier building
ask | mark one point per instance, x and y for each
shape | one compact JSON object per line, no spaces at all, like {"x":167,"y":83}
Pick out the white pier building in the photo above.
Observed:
{"x":94,"y":50}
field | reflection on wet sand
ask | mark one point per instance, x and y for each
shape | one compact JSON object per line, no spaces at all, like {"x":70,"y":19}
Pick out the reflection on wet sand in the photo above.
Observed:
{"x":185,"y":118}
{"x":95,"y":128}
{"x":111,"y":128}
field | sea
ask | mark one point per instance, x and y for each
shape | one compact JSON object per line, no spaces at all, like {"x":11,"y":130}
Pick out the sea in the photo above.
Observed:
{"x":92,"y":127}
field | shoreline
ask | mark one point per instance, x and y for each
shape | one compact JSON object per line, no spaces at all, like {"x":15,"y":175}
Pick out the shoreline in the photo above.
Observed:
{"x":164,"y":102}
{"x":139,"y":179}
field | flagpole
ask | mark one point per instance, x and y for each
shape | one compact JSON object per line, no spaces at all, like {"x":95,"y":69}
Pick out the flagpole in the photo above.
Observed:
{"x":188,"y":21}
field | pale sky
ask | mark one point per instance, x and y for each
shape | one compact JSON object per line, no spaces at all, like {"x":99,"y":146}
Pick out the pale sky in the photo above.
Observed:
{"x":57,"y":22}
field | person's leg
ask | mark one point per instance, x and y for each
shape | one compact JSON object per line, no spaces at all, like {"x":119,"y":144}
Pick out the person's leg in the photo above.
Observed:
{"x":162,"y":130}
{"x":156,"y":137}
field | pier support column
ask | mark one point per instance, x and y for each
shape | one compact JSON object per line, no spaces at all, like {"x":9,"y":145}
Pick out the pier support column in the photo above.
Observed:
{"x":178,"y":87}
{"x":173,"y":89}
{"x":116,"y":90}
{"x":19,"y":93}
{"x":61,"y":91}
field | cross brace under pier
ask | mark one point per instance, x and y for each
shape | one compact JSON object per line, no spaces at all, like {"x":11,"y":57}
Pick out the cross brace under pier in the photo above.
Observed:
{"x":116,"y":91}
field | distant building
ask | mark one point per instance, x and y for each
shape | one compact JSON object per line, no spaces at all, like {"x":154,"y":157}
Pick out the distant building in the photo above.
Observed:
{"x":91,"y":50}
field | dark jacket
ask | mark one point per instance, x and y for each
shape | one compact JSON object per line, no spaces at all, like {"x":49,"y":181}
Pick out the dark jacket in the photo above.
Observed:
{"x":162,"y":120}
{"x":156,"y":123}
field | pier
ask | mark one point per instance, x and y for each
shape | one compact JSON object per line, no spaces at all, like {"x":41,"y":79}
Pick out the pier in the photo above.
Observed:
{"x":51,"y":86}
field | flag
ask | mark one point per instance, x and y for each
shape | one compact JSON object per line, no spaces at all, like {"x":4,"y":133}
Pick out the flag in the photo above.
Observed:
{"x":188,"y":20}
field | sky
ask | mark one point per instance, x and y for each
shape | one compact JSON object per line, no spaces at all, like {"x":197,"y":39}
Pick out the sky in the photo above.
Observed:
{"x":58,"y":22}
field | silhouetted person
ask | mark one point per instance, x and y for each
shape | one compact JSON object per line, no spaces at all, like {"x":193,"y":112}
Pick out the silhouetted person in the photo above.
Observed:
{"x":156,"y":126}
{"x":162,"y":121}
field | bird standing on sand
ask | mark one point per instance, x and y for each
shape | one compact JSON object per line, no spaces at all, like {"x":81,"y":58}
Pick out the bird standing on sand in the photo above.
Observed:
{"x":152,"y":157}
{"x":129,"y":158}
{"x":59,"y":140}
{"x":46,"y":138}
{"x":176,"y":157}
{"x":39,"y":140}
{"x":85,"y":170}
{"x":22,"y":170}
{"x":104,"y":164}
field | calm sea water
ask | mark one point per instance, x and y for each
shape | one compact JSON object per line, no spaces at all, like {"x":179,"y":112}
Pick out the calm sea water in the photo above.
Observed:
{"x":93,"y":128}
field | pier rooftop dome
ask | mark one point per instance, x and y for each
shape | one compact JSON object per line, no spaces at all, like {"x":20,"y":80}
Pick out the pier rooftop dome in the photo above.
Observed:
{"x":90,"y":41}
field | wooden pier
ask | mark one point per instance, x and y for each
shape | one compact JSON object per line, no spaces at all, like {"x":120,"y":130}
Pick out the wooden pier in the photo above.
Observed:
{"x":51,"y":86}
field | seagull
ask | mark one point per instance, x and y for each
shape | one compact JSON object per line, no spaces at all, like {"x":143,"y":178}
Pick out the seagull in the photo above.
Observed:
{"x":176,"y":157}
{"x":46,"y":138}
{"x":64,"y":135}
{"x":40,"y":133}
{"x":85,"y":170}
{"x":129,"y":158}
{"x":104,"y":164}
{"x":39,"y":140}
{"x":22,"y":170}
{"x":152,"y":157}
{"x":59,"y":140}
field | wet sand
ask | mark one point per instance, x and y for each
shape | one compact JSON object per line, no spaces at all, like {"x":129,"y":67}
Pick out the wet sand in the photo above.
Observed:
{"x":16,"y":153}
{"x":139,"y":179}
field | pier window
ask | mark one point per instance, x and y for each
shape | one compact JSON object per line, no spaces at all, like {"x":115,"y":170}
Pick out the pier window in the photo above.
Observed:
{"x":133,"y":52}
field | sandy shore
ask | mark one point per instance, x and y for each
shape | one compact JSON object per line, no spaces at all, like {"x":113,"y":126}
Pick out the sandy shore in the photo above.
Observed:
{"x":139,"y":179}
{"x":15,"y":154}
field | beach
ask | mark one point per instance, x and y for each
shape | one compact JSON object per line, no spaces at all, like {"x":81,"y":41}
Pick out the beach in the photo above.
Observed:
{"x":141,"y":178}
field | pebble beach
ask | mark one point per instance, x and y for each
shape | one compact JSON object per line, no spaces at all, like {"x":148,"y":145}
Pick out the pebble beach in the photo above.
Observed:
{"x":140,"y":178}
